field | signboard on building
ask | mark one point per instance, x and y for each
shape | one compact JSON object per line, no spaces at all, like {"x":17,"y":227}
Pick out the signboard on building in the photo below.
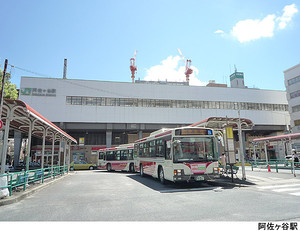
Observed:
{"x":38,"y":91}
{"x":81,"y":141}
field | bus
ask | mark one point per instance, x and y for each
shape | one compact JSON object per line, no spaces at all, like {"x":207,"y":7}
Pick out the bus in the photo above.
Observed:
{"x":179,"y":155}
{"x":116,"y":159}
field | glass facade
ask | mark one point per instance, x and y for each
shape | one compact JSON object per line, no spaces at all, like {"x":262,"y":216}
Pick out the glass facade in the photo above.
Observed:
{"x":164,"y":103}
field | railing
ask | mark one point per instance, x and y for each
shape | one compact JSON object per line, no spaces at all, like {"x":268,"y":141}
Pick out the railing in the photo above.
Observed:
{"x":23,"y":178}
{"x":276,"y":164}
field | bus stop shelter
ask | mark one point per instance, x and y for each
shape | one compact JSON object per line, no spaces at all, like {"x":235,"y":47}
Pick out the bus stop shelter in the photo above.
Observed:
{"x":19,"y":116}
{"x":286,"y":138}
{"x":221,"y":122}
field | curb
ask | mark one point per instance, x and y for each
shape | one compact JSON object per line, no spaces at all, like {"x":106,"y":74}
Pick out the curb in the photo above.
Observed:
{"x":16,"y":198}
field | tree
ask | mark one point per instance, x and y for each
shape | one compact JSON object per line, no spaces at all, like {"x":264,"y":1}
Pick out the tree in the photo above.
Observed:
{"x":10,"y":91}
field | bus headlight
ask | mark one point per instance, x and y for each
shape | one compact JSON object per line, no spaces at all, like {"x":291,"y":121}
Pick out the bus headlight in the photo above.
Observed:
{"x":178,"y":172}
{"x":216,"y":170}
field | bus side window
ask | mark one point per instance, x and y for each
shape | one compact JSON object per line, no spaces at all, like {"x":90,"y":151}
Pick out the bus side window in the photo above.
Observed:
{"x":117,"y":155}
{"x":130,"y":155}
{"x":136,"y":150}
{"x":141,"y":149}
{"x":101,"y":155}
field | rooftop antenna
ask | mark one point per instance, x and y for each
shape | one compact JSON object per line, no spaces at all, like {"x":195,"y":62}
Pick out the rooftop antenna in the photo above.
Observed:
{"x":133,"y":67}
{"x":188,"y":70}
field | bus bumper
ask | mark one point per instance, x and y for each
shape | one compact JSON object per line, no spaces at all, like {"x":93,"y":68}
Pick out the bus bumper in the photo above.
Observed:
{"x":195,"y":177}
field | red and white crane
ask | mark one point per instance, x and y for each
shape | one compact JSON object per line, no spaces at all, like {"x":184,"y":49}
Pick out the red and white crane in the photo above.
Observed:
{"x":133,"y":67}
{"x":188,"y":70}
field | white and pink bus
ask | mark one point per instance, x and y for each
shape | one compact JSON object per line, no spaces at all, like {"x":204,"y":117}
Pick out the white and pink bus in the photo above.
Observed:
{"x":179,"y":154}
{"x":116,"y":159}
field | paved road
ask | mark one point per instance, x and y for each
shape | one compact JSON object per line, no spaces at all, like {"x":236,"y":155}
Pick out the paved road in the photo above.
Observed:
{"x":102,"y":196}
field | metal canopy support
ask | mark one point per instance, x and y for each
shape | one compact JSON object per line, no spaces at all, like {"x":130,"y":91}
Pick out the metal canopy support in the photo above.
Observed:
{"x":43,"y":147}
{"x":29,"y":145}
{"x":69,"y":155}
{"x":59,"y":151}
{"x":52,"y":158}
{"x":4,"y":148}
{"x":65,"y":150}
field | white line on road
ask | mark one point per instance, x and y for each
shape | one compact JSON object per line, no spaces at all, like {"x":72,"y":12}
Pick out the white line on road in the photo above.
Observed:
{"x":277,"y":186}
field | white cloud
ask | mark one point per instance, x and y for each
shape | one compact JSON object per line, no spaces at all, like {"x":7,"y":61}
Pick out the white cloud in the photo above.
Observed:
{"x":288,"y":13}
{"x":250,"y":29}
{"x":171,"y":70}
{"x":219,"y":32}
{"x":253,"y":29}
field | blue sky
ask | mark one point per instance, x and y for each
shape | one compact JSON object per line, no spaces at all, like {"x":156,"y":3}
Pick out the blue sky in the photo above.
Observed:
{"x":260,"y":37}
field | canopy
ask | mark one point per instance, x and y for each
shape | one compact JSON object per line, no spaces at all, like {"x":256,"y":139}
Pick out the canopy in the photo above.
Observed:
{"x":290,"y":136}
{"x":21,"y":115}
{"x":221,"y":122}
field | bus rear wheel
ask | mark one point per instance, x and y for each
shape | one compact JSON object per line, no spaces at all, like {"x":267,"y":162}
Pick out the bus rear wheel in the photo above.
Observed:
{"x":161,"y":175}
{"x":141,"y":171}
{"x":131,"y":168}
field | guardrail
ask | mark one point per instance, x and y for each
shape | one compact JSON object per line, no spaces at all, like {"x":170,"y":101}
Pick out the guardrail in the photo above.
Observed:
{"x":276,"y":164}
{"x":23,"y":178}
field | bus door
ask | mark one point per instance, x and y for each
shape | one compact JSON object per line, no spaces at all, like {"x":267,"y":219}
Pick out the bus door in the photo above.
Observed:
{"x":168,"y":165}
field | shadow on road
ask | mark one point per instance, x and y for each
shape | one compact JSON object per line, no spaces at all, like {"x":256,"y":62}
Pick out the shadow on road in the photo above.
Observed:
{"x":170,"y":187}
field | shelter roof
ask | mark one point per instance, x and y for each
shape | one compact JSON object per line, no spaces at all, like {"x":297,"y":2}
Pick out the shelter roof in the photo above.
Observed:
{"x":221,"y":122}
{"x":21,"y":114}
{"x":291,"y":136}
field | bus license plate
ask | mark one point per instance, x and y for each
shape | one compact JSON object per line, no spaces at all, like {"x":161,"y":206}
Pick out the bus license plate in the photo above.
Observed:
{"x":199,"y":178}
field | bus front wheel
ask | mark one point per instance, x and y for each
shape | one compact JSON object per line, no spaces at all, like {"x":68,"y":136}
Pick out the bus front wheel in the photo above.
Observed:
{"x":108,"y":168}
{"x":161,"y":175}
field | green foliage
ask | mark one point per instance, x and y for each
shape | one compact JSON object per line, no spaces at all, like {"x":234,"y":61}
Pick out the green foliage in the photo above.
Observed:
{"x":10,"y":91}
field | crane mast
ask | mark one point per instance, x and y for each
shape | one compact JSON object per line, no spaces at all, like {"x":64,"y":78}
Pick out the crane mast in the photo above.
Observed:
{"x":133,"y":67}
{"x":188,"y":70}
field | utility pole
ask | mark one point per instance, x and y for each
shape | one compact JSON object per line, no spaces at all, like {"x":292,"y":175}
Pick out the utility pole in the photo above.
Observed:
{"x":2,"y":88}
{"x":2,"y":152}
{"x":241,"y":143}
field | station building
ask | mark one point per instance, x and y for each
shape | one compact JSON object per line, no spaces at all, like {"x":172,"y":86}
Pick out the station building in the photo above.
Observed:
{"x":105,"y":114}
{"x":292,"y":84}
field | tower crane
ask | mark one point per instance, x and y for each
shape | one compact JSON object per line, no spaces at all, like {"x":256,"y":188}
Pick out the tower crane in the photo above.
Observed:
{"x":133,"y":67}
{"x":188,"y":70}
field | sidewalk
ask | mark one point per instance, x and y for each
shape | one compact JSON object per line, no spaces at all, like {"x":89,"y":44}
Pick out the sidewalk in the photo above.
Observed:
{"x":19,"y":194}
{"x":258,"y":172}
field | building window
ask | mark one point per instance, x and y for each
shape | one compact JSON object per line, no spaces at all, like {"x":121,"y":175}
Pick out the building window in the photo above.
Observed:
{"x":295,"y":94}
{"x":297,"y":122}
{"x":294,"y":80}
{"x":162,"y":103}
{"x":296,"y":108}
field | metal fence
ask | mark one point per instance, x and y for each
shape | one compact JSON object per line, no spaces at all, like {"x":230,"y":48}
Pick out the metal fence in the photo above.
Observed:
{"x":23,"y":178}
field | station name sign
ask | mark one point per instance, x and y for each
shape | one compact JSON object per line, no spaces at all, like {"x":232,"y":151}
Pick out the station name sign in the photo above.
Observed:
{"x":38,"y":92}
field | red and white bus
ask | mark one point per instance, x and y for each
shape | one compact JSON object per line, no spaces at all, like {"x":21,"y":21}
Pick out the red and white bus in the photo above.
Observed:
{"x":179,"y":154}
{"x":117,"y":158}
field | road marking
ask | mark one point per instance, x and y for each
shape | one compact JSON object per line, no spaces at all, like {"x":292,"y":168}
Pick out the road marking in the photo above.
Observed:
{"x":275,"y":178}
{"x":295,"y":194}
{"x":189,"y":189}
{"x":277,"y":186}
{"x":286,"y":189}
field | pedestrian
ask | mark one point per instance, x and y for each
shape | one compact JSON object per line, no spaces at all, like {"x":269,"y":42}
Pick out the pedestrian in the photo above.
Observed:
{"x":223,"y":159}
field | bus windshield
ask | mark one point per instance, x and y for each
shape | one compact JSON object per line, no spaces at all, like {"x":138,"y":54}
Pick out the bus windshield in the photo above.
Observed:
{"x":193,"y":149}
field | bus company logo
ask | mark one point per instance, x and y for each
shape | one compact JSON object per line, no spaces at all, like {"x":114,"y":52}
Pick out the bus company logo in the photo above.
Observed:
{"x":198,"y":168}
{"x":38,"y":92}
